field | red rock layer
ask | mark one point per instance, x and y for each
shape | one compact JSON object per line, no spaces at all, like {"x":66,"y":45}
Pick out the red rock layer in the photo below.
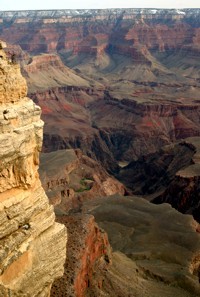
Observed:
{"x":88,"y":253}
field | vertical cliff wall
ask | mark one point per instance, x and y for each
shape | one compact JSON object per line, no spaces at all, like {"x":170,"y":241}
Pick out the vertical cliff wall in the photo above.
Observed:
{"x":32,"y":245}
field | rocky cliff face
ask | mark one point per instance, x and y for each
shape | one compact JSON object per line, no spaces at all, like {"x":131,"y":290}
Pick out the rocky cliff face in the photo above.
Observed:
{"x":32,"y":245}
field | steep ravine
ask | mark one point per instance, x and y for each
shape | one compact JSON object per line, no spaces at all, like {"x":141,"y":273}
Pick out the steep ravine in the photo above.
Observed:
{"x":183,"y":190}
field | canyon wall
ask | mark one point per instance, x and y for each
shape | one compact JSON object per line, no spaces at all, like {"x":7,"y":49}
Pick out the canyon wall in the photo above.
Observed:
{"x":93,"y":31}
{"x":32,"y":245}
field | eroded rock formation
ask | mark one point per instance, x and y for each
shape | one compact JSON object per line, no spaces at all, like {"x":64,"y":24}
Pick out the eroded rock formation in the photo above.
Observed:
{"x":32,"y":245}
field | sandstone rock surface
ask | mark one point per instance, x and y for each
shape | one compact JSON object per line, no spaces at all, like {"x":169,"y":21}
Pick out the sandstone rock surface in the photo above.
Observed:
{"x":32,"y":245}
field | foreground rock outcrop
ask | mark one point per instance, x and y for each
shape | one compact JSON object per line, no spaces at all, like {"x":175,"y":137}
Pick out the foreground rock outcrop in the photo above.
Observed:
{"x":32,"y":245}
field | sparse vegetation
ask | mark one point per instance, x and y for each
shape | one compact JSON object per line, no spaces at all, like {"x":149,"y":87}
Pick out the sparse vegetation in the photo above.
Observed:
{"x":85,"y":185}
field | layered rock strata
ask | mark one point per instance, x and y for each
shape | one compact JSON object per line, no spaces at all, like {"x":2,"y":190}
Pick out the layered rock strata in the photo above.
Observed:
{"x":32,"y":245}
{"x":78,"y":30}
